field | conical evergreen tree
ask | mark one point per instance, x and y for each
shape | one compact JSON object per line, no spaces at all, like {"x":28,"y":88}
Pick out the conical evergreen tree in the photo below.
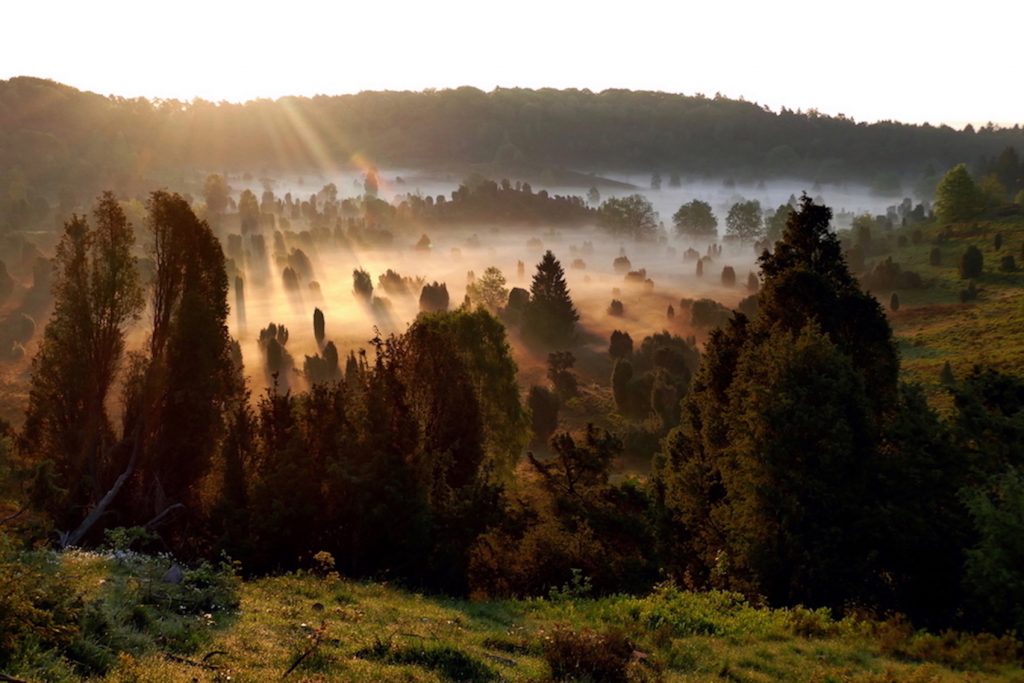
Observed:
{"x":550,"y":317}
{"x":801,"y":470}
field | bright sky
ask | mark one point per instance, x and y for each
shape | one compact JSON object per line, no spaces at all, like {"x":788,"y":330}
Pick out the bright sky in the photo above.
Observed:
{"x":950,"y":62}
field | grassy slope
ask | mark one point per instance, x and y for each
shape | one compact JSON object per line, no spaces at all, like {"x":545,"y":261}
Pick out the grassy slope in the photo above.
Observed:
{"x":933,"y":327}
{"x":689,"y":637}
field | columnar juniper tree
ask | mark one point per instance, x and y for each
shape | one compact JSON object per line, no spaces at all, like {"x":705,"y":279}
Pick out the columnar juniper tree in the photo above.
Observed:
{"x":96,"y":295}
{"x":180,"y":394}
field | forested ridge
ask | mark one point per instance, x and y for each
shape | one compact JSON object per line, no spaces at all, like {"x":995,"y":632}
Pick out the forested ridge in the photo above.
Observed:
{"x":54,"y":136}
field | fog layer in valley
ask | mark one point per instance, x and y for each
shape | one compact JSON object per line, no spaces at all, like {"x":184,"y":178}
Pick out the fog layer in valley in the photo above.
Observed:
{"x":456,"y":254}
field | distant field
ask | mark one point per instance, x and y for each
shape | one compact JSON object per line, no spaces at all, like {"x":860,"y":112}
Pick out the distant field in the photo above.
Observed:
{"x":933,"y":327}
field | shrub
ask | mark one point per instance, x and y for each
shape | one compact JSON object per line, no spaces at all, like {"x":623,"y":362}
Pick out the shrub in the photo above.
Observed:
{"x":362,"y":284}
{"x":434,"y":297}
{"x":1008,"y":264}
{"x":544,"y":406}
{"x":935,"y":257}
{"x":620,"y":345}
{"x":811,"y":623}
{"x":708,"y":313}
{"x":560,"y":364}
{"x":969,"y":294}
{"x":971,"y":263}
{"x":18,"y":327}
{"x":616,"y":308}
{"x":748,"y":306}
{"x":894,"y":302}
{"x":395,"y":284}
{"x":888,"y":274}
{"x":589,"y":656}
{"x":636,"y":277}
{"x":46,"y":623}
{"x":39,"y":607}
{"x":728,"y":276}
{"x":621,"y":265}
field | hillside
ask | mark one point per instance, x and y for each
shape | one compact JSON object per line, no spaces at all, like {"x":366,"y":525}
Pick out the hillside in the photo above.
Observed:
{"x":317,"y":627}
{"x":933,"y":326}
{"x":55,"y":137}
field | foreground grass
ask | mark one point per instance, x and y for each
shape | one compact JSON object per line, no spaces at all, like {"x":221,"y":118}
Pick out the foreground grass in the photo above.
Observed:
{"x":373,"y":632}
{"x":324,"y":628}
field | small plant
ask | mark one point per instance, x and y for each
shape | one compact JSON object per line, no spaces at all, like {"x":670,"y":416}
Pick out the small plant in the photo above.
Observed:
{"x":576,"y":588}
{"x":808,"y":623}
{"x":616,"y":308}
{"x":121,"y":539}
{"x":946,"y":376}
{"x":969,"y":294}
{"x":324,"y":565}
{"x":587,"y":655}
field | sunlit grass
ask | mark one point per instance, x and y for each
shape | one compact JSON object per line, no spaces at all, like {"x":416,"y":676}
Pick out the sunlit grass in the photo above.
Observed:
{"x":932,"y":327}
{"x":684,"y":636}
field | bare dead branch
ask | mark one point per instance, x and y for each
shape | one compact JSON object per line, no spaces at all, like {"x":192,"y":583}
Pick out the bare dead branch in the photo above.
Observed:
{"x":11,"y":518}
{"x":73,"y":538}
{"x":156,"y":521}
{"x":317,"y":639}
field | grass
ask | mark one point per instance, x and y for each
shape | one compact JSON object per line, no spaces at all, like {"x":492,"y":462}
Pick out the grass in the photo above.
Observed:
{"x":932,"y":327}
{"x":325,"y":628}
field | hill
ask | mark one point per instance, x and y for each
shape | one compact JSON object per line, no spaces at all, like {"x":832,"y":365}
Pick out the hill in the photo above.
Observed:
{"x":57,"y":137}
{"x":135,"y":626}
{"x":934,"y":326}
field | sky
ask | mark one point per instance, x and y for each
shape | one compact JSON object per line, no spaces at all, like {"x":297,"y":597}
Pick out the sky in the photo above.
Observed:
{"x":940,"y":62}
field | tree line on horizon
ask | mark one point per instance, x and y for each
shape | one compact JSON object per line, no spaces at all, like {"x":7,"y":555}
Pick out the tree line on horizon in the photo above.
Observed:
{"x":61,"y":140}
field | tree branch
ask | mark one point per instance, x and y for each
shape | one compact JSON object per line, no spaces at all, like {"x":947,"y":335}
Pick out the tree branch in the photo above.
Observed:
{"x":67,"y":539}
{"x":153,"y":523}
{"x":11,"y":518}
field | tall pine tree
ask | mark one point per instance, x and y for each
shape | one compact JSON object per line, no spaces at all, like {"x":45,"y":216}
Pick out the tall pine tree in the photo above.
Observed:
{"x":550,"y":317}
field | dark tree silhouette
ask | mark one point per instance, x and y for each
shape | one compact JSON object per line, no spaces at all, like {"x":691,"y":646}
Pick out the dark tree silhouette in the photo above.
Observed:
{"x":695,"y":219}
{"x":96,"y":295}
{"x":550,"y":317}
